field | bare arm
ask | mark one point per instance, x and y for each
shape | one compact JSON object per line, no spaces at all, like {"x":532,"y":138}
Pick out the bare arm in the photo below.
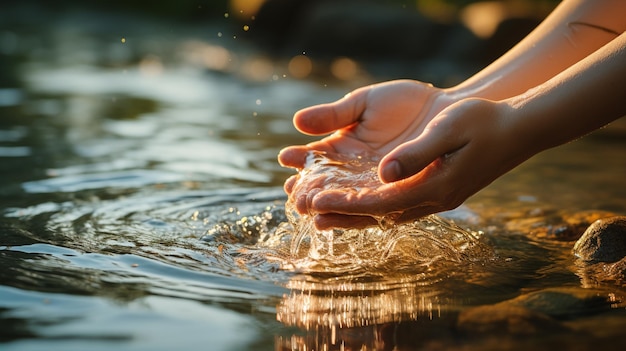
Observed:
{"x":414,"y":125}
{"x":575,"y":29}
{"x":459,"y":156}
{"x":582,"y":98}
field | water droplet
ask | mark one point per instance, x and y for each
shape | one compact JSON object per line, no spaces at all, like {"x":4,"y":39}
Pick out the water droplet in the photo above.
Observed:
{"x":246,"y":28}
{"x":258,"y":101}
{"x":219,"y":34}
{"x":123,"y":40}
{"x":226,"y":15}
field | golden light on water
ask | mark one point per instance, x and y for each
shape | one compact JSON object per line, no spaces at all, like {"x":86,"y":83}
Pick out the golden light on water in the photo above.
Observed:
{"x":245,"y":8}
{"x":151,"y":66}
{"x":257,"y":69}
{"x":213,"y":57}
{"x":344,"y":68}
{"x":300,"y":66}
{"x":216,"y":57}
{"x":352,"y":304}
{"x":483,"y":18}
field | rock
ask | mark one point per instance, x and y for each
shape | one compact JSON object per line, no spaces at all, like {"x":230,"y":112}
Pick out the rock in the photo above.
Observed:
{"x":603,"y":241}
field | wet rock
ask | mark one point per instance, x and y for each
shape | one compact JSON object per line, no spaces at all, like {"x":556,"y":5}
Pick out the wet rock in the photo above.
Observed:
{"x":603,"y":241}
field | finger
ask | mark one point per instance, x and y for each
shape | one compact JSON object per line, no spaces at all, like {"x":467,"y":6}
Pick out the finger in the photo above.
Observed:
{"x":327,"y":118}
{"x":289,"y":183}
{"x":411,"y":157}
{"x":425,"y":189}
{"x":335,"y":220}
{"x":304,"y":201}
{"x":293,"y":156}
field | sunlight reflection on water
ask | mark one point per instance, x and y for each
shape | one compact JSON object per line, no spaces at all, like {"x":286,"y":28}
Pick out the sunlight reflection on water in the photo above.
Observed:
{"x":142,"y":209}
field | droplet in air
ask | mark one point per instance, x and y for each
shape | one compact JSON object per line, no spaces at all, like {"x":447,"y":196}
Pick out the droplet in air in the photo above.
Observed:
{"x":258,"y":101}
{"x":246,"y":28}
{"x":219,"y":34}
{"x":226,"y":15}
{"x":123,"y":40}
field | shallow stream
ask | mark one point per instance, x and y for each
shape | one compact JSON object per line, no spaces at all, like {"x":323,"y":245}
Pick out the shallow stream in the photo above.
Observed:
{"x":142,"y":208}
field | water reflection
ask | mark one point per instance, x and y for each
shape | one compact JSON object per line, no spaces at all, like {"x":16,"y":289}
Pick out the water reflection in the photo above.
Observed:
{"x":142,"y":206}
{"x":354,"y":316}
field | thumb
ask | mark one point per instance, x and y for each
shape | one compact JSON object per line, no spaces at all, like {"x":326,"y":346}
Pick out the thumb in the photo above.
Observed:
{"x":327,"y":118}
{"x":411,"y":157}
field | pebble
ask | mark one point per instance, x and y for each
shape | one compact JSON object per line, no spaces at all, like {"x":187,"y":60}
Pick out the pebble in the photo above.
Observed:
{"x":603,"y":241}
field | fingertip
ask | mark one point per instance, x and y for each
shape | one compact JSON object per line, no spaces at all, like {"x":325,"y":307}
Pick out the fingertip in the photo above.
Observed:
{"x":390,"y":171}
{"x":293,"y":156}
{"x":327,"y":118}
{"x":289,"y":183}
{"x":322,"y":201}
{"x":301,"y":204}
{"x":335,"y":220}
{"x":307,"y":120}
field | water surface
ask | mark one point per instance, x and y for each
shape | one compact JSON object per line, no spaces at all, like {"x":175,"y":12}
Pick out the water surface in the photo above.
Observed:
{"x":142,"y":209}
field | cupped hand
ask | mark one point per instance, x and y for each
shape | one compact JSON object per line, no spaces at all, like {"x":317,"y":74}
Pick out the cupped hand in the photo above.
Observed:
{"x":463,"y":149}
{"x":370,"y":121}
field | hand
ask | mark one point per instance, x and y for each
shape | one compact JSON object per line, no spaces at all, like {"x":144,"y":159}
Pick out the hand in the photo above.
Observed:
{"x":370,"y":121}
{"x":462,"y":150}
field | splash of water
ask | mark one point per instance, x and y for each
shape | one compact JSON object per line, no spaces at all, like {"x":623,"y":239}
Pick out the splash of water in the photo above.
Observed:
{"x":410,"y":247}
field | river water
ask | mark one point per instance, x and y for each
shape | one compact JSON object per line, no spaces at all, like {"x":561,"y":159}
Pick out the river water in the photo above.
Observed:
{"x":142,"y":209}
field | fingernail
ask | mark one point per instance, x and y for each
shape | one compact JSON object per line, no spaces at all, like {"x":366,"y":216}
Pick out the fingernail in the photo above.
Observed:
{"x":391,"y":172}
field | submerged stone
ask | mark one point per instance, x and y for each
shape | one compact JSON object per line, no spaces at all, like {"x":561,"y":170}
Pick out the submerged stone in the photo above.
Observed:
{"x":603,"y":241}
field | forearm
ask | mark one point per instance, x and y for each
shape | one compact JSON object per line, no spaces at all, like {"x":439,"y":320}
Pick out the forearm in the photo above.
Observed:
{"x":575,"y":29}
{"x":584,"y":97}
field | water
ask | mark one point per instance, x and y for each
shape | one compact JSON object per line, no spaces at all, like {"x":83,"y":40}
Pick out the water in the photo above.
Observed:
{"x":142,"y":209}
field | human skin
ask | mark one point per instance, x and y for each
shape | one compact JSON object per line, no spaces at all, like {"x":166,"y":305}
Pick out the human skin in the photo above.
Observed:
{"x":440,"y":146}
